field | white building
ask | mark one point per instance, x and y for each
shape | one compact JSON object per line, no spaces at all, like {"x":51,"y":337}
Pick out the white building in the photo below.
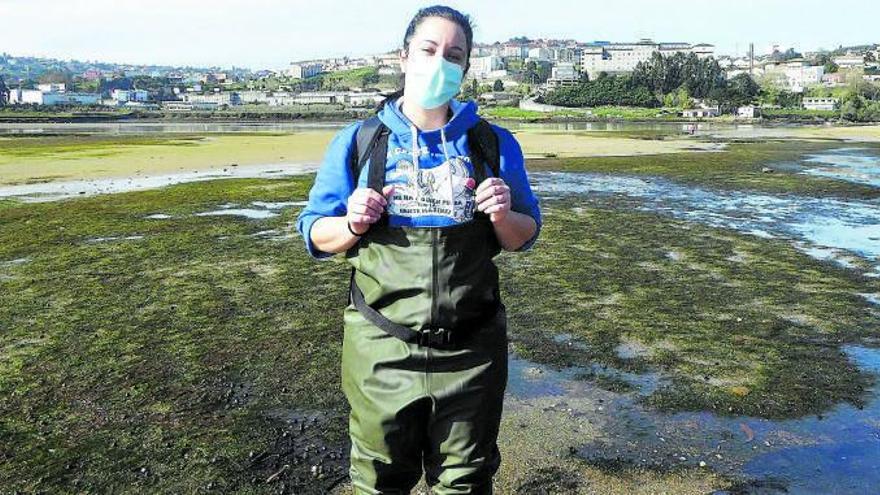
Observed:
{"x":52,"y":87}
{"x":221,"y":98}
{"x":365,"y":99}
{"x":325,"y":97}
{"x":541,"y":54}
{"x":389,"y":70}
{"x":820,"y":103}
{"x":20,"y":96}
{"x":565,"y":54}
{"x":178,"y":106}
{"x":500,"y":98}
{"x":304,"y":70}
{"x":563,"y":74}
{"x":252,"y":96}
{"x":698,"y":113}
{"x":850,"y":61}
{"x":617,"y":58}
{"x":126,"y":95}
{"x":795,"y":75}
{"x":748,"y":112}
{"x":515,"y":51}
{"x":483,"y":67}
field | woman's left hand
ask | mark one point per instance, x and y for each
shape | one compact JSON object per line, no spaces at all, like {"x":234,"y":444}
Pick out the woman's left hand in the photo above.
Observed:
{"x":493,"y":198}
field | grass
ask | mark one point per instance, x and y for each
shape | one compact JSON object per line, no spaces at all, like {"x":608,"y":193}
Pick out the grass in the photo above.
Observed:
{"x":607,"y":112}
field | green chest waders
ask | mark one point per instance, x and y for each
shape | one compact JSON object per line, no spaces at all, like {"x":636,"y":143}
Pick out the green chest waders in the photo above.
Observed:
{"x":424,"y":358}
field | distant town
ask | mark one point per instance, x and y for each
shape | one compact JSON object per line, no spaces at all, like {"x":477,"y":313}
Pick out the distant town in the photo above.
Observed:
{"x":533,"y":75}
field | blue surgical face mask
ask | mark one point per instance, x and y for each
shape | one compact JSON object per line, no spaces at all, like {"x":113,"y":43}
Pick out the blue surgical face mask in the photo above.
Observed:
{"x":433,"y":83}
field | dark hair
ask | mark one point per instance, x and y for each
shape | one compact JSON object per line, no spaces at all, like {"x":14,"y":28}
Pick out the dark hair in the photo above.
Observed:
{"x":463,"y":21}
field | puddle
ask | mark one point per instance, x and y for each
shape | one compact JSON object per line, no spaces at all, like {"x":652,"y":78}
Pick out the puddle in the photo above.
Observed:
{"x":16,"y":261}
{"x":9,"y":264}
{"x":244,"y":212}
{"x":527,"y":379}
{"x":114,"y":238}
{"x":826,"y":228}
{"x":263,"y":210}
{"x":631,"y":350}
{"x":278,"y":204}
{"x":53,"y":191}
{"x":849,"y":164}
{"x":872,"y":298}
{"x":160,"y":216}
{"x":275,"y":234}
{"x":837,"y":452}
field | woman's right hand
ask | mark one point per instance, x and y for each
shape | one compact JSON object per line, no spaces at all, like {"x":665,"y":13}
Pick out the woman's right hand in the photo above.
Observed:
{"x":365,"y":207}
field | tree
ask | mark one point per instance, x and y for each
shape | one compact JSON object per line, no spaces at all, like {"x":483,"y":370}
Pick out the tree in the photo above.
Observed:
{"x":56,"y":76}
{"x":4,"y":92}
{"x":605,"y":90}
{"x":471,"y":91}
{"x":664,"y":74}
{"x":741,"y":90}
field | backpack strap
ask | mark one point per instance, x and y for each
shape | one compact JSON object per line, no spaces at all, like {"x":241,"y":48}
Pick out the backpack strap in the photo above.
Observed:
{"x":371,"y":142}
{"x":366,"y":139}
{"x":483,"y":145}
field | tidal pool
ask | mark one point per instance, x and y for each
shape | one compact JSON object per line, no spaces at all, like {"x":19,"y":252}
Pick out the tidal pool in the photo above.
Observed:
{"x":854,"y":164}
{"x":836,"y":452}
{"x":260,"y":210}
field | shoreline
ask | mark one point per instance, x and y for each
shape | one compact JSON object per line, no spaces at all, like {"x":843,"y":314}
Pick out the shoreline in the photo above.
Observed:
{"x":346,"y":116}
{"x":37,"y":192}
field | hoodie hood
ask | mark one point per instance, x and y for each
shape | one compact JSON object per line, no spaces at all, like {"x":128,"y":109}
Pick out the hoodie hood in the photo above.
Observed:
{"x":432,"y":173}
{"x":464,"y":116}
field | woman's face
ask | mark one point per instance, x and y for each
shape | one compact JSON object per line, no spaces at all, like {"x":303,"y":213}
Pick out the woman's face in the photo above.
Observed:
{"x":435,"y":37}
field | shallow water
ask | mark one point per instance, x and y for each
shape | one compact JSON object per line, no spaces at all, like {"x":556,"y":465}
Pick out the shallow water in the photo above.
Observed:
{"x":136,"y":128}
{"x":260,"y":210}
{"x":858,"y":165}
{"x":824,"y":228}
{"x":838,"y":452}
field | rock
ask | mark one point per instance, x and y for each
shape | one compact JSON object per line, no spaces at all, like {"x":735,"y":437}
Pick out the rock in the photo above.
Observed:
{"x":766,"y":170}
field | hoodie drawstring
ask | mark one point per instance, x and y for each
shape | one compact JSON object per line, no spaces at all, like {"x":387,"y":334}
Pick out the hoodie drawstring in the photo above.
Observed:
{"x":449,"y":164}
{"x":415,"y":146}
{"x":443,"y":139}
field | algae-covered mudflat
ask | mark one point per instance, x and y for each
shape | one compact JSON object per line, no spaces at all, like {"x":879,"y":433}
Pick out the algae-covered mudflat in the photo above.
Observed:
{"x":698,"y":318}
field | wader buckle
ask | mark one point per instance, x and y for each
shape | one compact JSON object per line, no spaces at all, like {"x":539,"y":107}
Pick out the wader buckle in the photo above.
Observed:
{"x":435,"y":336}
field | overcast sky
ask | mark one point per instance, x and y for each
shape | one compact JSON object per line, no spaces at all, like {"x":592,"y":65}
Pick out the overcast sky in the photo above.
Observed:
{"x":263,"y":34}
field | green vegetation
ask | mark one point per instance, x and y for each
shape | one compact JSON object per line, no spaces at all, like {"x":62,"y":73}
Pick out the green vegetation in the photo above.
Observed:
{"x":606,"y":90}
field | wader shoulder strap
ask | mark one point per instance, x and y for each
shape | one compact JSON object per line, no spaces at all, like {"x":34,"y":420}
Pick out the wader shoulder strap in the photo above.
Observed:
{"x":376,"y":318}
{"x":435,"y":337}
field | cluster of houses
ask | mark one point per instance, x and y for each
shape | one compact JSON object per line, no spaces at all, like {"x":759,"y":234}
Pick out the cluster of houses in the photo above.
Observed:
{"x":565,"y":62}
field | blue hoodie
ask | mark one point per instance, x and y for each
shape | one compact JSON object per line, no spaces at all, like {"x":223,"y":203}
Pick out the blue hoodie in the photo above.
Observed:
{"x":436,"y":191}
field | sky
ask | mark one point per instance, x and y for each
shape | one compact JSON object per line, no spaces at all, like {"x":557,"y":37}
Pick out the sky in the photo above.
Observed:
{"x":270,"y":34}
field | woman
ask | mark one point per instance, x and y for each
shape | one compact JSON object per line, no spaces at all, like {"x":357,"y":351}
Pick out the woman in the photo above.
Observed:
{"x":424,"y":354}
